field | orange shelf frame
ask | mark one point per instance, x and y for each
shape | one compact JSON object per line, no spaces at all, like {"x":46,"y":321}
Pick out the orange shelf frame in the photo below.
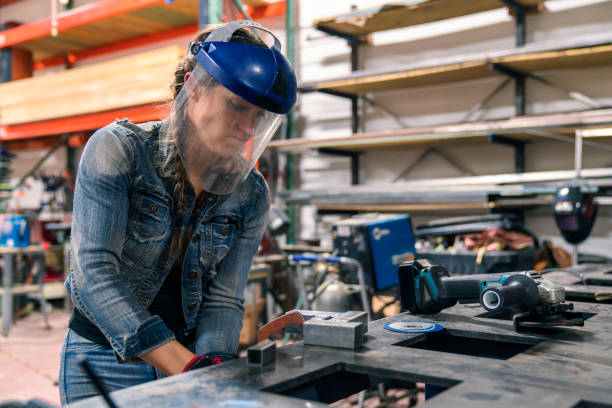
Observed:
{"x":91,"y":13}
{"x":7,"y":2}
{"x":82,"y":123}
{"x":271,"y":10}
{"x":73,"y":18}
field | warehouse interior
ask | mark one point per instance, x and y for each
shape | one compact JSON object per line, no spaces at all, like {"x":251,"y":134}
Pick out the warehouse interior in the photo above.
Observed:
{"x":436,"y":229}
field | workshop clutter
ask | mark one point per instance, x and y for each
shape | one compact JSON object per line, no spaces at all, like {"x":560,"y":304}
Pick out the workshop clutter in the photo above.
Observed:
{"x":477,"y":244}
{"x":380,"y":242}
{"x":14,"y":231}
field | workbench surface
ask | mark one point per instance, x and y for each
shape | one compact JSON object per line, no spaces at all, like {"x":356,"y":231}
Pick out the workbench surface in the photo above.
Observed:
{"x":569,"y":367}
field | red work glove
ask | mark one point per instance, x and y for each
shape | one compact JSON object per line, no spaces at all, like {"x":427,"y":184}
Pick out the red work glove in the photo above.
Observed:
{"x":205,"y":360}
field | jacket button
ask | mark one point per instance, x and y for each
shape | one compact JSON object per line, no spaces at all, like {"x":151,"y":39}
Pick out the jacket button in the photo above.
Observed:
{"x":142,"y":300}
{"x":153,"y":207}
{"x":224,"y":231}
{"x":195,"y":238}
{"x":192,"y":306}
{"x":193,"y":274}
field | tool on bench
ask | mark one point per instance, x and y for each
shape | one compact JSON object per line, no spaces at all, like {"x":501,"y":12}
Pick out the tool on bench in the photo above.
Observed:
{"x":329,"y":329}
{"x":261,"y":353}
{"x":525,"y":296}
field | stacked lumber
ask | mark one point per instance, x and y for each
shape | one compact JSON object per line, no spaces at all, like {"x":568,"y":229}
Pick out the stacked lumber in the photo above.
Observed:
{"x":137,"y":79}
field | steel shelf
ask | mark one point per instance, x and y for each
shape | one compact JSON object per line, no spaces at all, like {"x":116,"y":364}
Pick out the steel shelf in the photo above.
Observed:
{"x":99,"y":24}
{"x":457,"y":193}
{"x":407,"y":13}
{"x":520,"y":128}
{"x":581,"y":52}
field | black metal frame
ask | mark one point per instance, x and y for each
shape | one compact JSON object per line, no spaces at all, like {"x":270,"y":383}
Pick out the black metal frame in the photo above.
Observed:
{"x":519,"y":150}
{"x":519,"y":11}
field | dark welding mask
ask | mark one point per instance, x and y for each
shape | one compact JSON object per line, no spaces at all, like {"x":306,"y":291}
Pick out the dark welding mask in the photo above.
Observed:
{"x":230,"y":106}
{"x":574,"y":212}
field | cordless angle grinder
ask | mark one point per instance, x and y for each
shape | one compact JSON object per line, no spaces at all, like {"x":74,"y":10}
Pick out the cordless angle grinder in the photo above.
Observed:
{"x":529,"y":300}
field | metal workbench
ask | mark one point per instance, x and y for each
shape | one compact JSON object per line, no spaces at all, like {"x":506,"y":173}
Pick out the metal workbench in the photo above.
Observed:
{"x":569,"y":367}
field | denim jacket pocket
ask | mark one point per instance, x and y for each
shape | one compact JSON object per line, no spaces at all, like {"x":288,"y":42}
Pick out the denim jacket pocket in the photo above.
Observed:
{"x":222,"y":232}
{"x":149,"y":225}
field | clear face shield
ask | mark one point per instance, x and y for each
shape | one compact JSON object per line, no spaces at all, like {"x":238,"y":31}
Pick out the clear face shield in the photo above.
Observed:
{"x":218,"y":133}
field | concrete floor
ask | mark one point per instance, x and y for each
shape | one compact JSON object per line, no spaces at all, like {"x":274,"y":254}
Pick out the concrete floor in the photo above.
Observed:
{"x":29,"y":358}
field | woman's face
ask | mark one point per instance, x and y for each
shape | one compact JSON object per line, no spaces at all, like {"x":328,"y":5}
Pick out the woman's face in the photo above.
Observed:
{"x":224,"y":122}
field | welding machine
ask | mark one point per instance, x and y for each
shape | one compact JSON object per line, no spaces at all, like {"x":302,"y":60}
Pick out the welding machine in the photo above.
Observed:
{"x":379,"y":242}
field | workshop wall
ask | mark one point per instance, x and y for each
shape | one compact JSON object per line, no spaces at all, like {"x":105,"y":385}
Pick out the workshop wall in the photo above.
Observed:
{"x":320,"y":56}
{"x":323,"y":57}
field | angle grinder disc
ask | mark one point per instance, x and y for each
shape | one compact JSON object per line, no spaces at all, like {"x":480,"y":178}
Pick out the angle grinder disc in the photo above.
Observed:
{"x":413,"y":327}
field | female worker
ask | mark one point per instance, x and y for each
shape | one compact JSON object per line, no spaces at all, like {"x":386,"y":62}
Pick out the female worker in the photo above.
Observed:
{"x":168,"y":216}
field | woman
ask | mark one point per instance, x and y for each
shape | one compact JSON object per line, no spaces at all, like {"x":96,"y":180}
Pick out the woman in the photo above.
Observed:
{"x":168,"y":216}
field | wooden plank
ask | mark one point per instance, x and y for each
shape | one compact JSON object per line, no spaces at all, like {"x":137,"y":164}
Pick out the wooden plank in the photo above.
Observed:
{"x":32,"y":249}
{"x":128,"y":81}
{"x":403,"y":207}
{"x":73,"y":18}
{"x":142,"y":41}
{"x":99,"y":24}
{"x":21,"y":289}
{"x":117,"y":29}
{"x":60,"y":83}
{"x":514,"y":127}
{"x":256,"y":3}
{"x":407,"y":13}
{"x":411,"y":78}
{"x":575,"y":52}
{"x":563,"y":59}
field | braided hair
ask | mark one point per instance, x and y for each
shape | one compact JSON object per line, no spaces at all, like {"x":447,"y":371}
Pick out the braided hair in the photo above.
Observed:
{"x":179,"y":174}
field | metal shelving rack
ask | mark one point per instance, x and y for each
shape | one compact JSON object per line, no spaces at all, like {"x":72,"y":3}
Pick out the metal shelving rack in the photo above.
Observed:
{"x":517,"y":64}
{"x":98,"y":29}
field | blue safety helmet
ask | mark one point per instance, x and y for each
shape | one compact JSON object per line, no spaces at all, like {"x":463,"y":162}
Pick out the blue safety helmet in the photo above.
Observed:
{"x":263,"y":77}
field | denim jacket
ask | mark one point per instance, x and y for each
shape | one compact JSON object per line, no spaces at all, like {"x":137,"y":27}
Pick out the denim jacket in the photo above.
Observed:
{"x":121,"y":234}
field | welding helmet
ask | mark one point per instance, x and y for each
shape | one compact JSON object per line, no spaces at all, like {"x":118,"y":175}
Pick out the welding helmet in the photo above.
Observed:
{"x":230,"y":105}
{"x":574,"y":211}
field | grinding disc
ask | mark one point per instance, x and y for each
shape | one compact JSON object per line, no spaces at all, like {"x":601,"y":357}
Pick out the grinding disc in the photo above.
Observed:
{"x":413,"y":327}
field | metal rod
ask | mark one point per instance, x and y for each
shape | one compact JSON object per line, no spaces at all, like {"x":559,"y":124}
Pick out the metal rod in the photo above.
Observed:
{"x":575,"y":257}
{"x":568,"y":139}
{"x":291,"y":161}
{"x":519,"y":18}
{"x":362,"y":286}
{"x":355,"y":169}
{"x":578,"y":96}
{"x":520,"y":26}
{"x":97,"y":383}
{"x":238,"y":5}
{"x":5,"y":61}
{"x":7,"y":298}
{"x":355,"y":123}
{"x":578,"y":153}
{"x":519,"y":150}
{"x":486,"y":99}
{"x":385,"y":110}
{"x":519,"y":96}
{"x":41,"y":161}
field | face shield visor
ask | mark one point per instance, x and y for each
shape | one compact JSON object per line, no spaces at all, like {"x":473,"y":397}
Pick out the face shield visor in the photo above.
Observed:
{"x":229,"y":109}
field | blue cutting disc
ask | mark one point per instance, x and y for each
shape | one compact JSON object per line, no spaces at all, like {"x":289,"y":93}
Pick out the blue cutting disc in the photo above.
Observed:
{"x":413,"y":327}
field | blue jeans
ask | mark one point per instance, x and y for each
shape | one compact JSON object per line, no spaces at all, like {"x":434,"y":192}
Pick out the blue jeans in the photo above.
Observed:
{"x":75,"y":384}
